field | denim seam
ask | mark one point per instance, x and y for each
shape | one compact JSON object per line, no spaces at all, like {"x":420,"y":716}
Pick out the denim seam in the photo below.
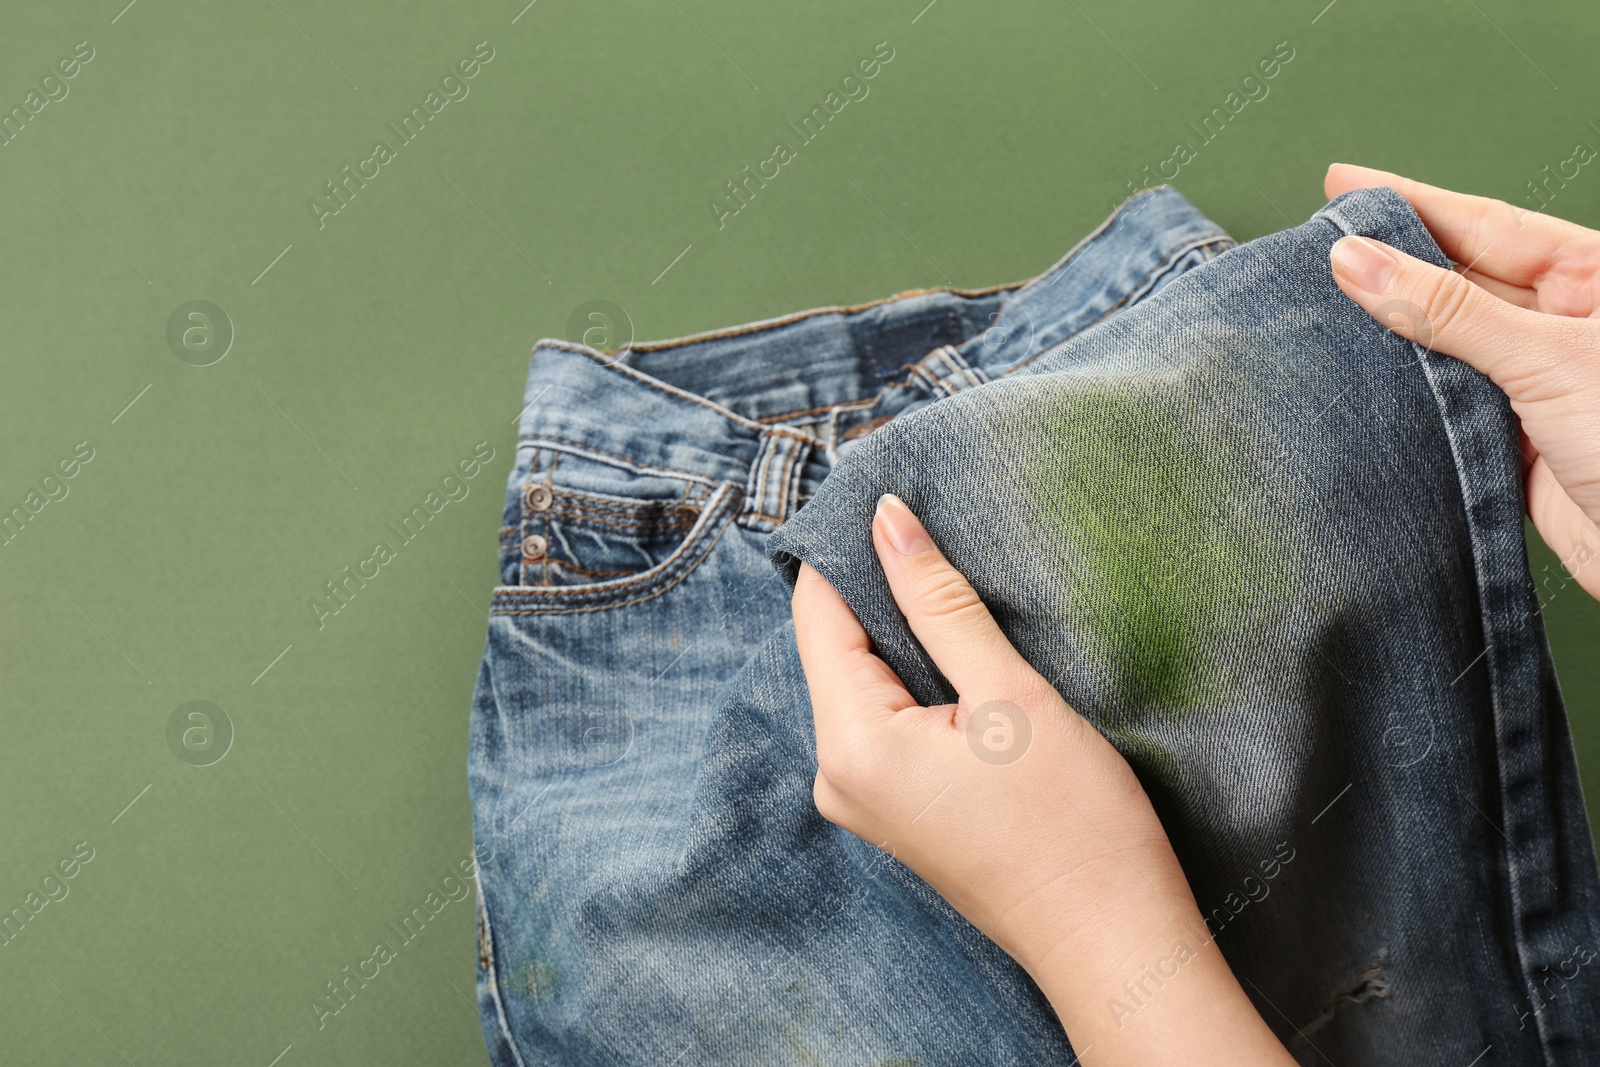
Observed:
{"x":763,"y":490}
{"x":1491,"y":645}
{"x":760,"y":325}
{"x":566,"y":566}
{"x":647,"y":515}
{"x":494,"y":980}
{"x":659,"y":386}
{"x":959,"y":374}
{"x":605,"y":503}
{"x":615,"y":519}
{"x":1126,"y":209}
{"x":1496,"y":685}
{"x":1144,"y":286}
{"x":755,"y":498}
{"x":929,"y":380}
{"x":640,"y":377}
{"x":960,"y":369}
{"x":785,"y":487}
{"x":791,"y":480}
{"x":576,"y":448}
{"x":619,"y":527}
{"x":684,"y":561}
{"x":849,"y":405}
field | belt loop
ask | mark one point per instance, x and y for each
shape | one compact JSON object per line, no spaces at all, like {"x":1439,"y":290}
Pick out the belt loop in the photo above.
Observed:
{"x":947,"y":373}
{"x":771,"y":494}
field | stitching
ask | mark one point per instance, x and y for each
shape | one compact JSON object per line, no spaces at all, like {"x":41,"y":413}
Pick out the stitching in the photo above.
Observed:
{"x":683,"y":551}
{"x":638,"y":468}
{"x":947,"y":356}
{"x":756,"y":484}
{"x":614,"y":503}
{"x":1134,"y":293}
{"x":779,"y":487}
{"x":640,"y":519}
{"x":653,"y":383}
{"x":1129,"y":209}
{"x":564,"y":565}
{"x":624,"y":527}
{"x":799,"y":316}
{"x":549,"y":477}
{"x":650,"y":594}
{"x":641,"y":515}
{"x":1122,"y":210}
{"x":932,"y":381}
{"x":494,"y":975}
{"x":1492,"y":651}
{"x":647,"y":512}
{"x":848,"y":405}
{"x":786,"y":488}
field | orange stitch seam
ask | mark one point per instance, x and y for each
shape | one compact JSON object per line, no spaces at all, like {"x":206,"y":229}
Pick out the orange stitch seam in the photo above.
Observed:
{"x":701,"y":558}
{"x":847,"y":405}
{"x":659,"y":386}
{"x":651,"y":574}
{"x":708,"y":479}
{"x":785,"y":486}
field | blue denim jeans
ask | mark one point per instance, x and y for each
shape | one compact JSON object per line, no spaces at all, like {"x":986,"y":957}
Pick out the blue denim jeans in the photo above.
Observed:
{"x":1271,"y":550}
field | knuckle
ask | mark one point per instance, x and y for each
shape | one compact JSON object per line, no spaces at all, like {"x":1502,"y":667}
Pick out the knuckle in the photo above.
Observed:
{"x":945,"y":594}
{"x":1032,"y":688}
{"x":827,"y":802}
{"x":1497,"y":216}
{"x":849,"y":764}
{"x":1446,"y":298}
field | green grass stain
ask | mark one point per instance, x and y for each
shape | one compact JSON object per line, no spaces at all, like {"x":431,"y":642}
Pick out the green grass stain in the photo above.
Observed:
{"x":1174,"y":550}
{"x":537,"y":979}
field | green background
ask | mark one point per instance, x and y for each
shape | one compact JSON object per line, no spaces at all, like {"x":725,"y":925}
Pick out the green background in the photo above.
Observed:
{"x":382,"y":347}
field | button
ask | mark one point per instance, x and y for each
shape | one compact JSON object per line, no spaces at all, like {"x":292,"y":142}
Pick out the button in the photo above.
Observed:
{"x":534,"y":547}
{"x":538,"y":498}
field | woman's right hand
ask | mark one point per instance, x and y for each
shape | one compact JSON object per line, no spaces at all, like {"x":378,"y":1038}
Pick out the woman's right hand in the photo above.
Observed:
{"x":1523,"y":307}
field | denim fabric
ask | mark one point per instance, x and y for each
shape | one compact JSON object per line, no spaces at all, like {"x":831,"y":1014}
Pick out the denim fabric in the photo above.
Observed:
{"x":661,"y":890}
{"x":1274,"y":552}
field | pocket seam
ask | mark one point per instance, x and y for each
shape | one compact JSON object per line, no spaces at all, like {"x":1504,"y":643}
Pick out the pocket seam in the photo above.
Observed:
{"x":684,"y":561}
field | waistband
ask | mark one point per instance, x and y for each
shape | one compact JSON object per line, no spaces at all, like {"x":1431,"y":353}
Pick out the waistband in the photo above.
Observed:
{"x":769,"y":405}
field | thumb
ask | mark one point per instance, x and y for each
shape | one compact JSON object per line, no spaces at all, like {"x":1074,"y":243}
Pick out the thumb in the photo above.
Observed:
{"x":1442,"y":310}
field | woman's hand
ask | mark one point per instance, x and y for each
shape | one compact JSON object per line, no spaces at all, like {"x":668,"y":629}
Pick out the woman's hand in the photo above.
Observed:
{"x":1523,"y":307}
{"x":1019,"y":814}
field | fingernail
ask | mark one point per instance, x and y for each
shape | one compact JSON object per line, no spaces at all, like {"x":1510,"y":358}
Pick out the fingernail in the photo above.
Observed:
{"x":901,"y":527}
{"x":1364,"y":264}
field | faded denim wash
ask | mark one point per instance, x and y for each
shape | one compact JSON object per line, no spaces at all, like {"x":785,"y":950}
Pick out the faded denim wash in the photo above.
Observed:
{"x":1270,"y":549}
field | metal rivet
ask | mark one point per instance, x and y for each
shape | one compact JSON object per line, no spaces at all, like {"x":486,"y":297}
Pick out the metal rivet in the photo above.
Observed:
{"x":534,"y":547}
{"x":538,"y":498}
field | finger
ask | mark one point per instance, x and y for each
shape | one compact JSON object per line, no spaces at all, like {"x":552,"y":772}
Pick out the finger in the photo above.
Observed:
{"x":1440,"y":309}
{"x":849,"y":684}
{"x":943,"y":610}
{"x":1492,"y":237}
{"x":1569,"y":533}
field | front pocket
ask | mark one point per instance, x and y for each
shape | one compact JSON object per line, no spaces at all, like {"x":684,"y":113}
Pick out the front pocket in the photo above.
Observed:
{"x":597,"y":555}
{"x":571,"y":537}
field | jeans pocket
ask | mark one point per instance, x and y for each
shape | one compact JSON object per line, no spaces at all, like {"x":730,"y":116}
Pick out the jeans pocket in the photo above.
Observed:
{"x":584,"y":534}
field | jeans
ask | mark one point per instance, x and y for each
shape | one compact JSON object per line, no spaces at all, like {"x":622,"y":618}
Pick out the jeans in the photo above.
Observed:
{"x":613,"y":928}
{"x":1269,"y":549}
